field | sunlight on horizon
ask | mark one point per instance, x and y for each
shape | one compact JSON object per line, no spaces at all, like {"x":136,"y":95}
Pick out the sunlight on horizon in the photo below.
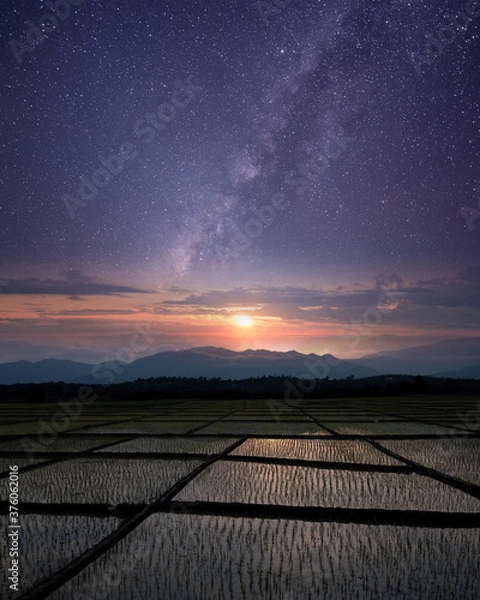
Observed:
{"x":243,"y":321}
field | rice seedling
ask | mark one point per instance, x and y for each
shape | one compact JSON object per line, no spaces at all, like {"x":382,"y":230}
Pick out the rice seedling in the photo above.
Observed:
{"x":353,"y":451}
{"x":202,"y":445}
{"x":186,"y":557}
{"x":304,"y":486}
{"x":139,"y":427}
{"x":19,"y":428}
{"x":265,"y":428}
{"x":267,"y":417}
{"x":74,"y":443}
{"x":47,"y":543}
{"x":5,"y":463}
{"x":397,"y":427}
{"x":101,"y":480}
{"x":456,"y":457}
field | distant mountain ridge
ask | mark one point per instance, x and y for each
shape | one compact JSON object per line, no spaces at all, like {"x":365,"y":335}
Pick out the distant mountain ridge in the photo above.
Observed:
{"x":446,"y":358}
{"x":50,"y":369}
{"x":206,"y":361}
{"x":455,"y":357}
{"x":209,"y":361}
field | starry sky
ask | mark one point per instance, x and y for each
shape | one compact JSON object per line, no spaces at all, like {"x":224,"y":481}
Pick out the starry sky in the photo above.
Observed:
{"x":311,"y":165}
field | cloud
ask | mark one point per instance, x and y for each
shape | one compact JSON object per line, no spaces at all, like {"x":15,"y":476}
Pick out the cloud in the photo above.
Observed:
{"x":388,"y":280}
{"x":284,"y":296}
{"x":440,"y":303}
{"x":460,"y":290}
{"x":92,"y":312}
{"x":250,"y":297}
{"x":73,"y":284}
{"x":191,"y":310}
{"x":76,"y":275}
{"x":288,"y":303}
{"x":471,"y":275}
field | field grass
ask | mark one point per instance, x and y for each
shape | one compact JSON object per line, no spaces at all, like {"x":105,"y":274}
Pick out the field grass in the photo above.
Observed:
{"x":456,"y":457}
{"x":306,"y":486}
{"x":138,"y":427}
{"x":182,"y":500}
{"x":50,"y":542}
{"x":380,"y":428}
{"x":221,"y":558}
{"x":5,"y":463}
{"x":188,"y":445}
{"x":265,"y":428}
{"x":101,"y":481}
{"x":57,"y":443}
{"x":351,"y":451}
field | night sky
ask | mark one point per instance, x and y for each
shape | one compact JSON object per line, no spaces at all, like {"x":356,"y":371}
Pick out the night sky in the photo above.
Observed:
{"x":174,"y":165}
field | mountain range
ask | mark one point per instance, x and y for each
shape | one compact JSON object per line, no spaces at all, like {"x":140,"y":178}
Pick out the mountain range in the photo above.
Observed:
{"x":459,"y":357}
{"x":455,"y":357}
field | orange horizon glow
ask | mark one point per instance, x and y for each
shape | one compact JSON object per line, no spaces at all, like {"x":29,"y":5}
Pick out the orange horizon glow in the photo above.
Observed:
{"x":105,"y":323}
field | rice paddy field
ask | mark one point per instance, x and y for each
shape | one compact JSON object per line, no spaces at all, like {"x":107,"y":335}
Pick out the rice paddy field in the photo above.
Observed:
{"x":214,"y":500}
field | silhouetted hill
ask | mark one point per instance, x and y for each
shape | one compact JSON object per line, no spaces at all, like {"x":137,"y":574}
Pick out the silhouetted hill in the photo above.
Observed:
{"x":228,"y":364}
{"x":198,"y":362}
{"x":450,"y":358}
{"x":445,"y":356}
{"x":472,"y":372}
{"x":24,"y":371}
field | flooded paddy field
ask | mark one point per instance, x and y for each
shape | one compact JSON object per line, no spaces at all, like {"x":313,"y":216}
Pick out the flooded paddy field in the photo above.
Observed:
{"x":184,"y":500}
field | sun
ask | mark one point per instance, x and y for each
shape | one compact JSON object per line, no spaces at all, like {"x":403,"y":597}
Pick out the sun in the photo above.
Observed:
{"x":243,"y":321}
